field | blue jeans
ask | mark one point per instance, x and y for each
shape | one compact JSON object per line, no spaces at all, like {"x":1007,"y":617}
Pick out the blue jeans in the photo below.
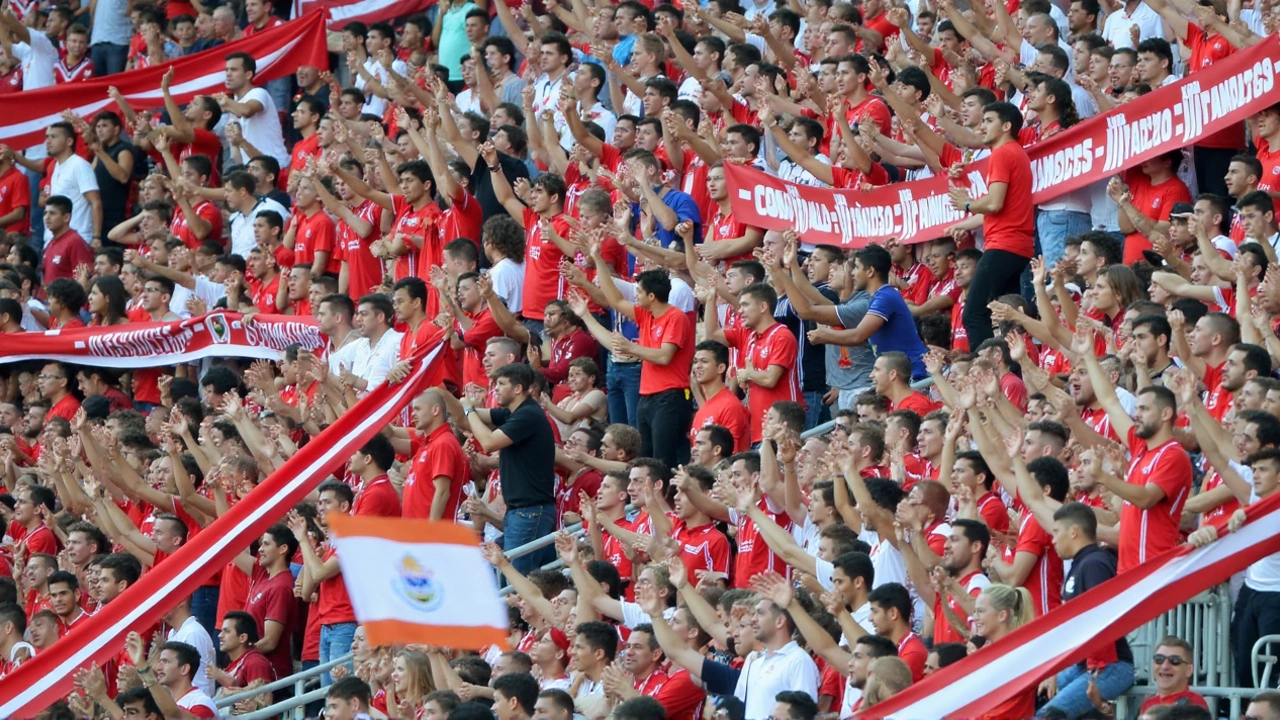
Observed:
{"x":335,"y":641}
{"x":36,"y":241}
{"x":623,"y":381}
{"x":204,"y":605}
{"x":108,"y":58}
{"x":816,"y":413}
{"x":524,"y":525}
{"x":1073,"y":687}
{"x":1053,"y":227}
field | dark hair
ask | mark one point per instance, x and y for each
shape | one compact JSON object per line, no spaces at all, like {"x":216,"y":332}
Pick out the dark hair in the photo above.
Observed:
{"x":656,"y":283}
{"x":250,"y":65}
{"x":600,"y":636}
{"x":504,"y":46}
{"x":952,"y":653}
{"x":892,"y":596}
{"x":750,"y":135}
{"x":856,"y":565}
{"x":187,"y":655}
{"x":1079,"y":515}
{"x":1268,"y":434}
{"x":69,"y":294}
{"x":341,"y":490}
{"x":139,"y":695}
{"x":803,"y":706}
{"x":61,"y":203}
{"x":1158,"y":47}
{"x":519,"y":686}
{"x":517,"y":374}
{"x":12,"y":612}
{"x":876,"y":259}
{"x":641,"y":708}
{"x":123,"y":566}
{"x":1051,"y":473}
{"x":560,"y":698}
{"x":720,"y":437}
{"x":245,"y":624}
{"x":878,"y":646}
{"x":350,"y":688}
{"x":1008,"y":113}
{"x":472,"y":710}
{"x":974,"y":531}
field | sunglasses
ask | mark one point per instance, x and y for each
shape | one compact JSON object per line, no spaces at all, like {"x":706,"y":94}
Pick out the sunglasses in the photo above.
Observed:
{"x":1173,"y":660}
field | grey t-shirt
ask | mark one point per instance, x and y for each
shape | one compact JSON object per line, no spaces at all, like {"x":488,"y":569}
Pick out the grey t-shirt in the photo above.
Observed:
{"x":849,"y":366}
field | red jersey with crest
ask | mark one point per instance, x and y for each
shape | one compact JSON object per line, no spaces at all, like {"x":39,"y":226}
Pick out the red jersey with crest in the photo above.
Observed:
{"x":775,"y":346}
{"x":542,"y":280}
{"x":80,"y":72}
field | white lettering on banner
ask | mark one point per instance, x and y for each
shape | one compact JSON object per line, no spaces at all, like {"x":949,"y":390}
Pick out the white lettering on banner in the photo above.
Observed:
{"x":1062,"y":165}
{"x":907,"y":218}
{"x":140,"y":343}
{"x":1201,"y":107}
{"x":1126,"y":139}
{"x":282,"y":335}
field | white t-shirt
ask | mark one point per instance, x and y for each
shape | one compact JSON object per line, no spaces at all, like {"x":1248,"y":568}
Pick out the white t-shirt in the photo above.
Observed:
{"x":72,"y":178}
{"x":38,"y":60}
{"x":1117,"y":24}
{"x":242,"y":242}
{"x":193,"y":633}
{"x":765,"y":674}
{"x":207,"y":290}
{"x":262,"y":129}
{"x":373,"y":104}
{"x":633,"y":617}
{"x":373,"y":363}
{"x":507,"y":278}
{"x":29,"y":322}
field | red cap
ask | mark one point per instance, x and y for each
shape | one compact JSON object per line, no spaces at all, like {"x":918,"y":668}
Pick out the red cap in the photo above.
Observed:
{"x":560,"y":639}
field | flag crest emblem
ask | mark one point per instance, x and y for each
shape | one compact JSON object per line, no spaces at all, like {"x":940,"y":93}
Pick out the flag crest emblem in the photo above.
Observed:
{"x":417,"y":585}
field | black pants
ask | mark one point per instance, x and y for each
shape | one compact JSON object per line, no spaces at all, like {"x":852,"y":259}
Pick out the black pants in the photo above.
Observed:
{"x":664,"y":420}
{"x":1256,"y":614}
{"x":997,"y":274}
{"x":1211,"y":169}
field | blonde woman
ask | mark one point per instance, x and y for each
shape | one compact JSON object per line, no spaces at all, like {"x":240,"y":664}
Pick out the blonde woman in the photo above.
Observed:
{"x":411,"y":683}
{"x":1000,"y":610}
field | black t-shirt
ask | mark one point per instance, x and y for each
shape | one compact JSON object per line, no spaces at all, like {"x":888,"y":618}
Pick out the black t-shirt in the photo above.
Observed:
{"x":1091,"y":567}
{"x":114,"y":194}
{"x":528,"y":465}
{"x":482,"y":184}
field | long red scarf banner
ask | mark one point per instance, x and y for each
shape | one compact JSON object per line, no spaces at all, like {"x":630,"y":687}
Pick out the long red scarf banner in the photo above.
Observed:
{"x":1173,"y":117}
{"x":48,"y":676}
{"x":278,"y":51}
{"x":134,"y":345}
{"x":368,"y":12}
{"x":1077,"y":629}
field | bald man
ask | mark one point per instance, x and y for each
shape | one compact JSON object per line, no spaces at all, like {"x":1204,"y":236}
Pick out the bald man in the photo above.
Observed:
{"x":433,"y":487}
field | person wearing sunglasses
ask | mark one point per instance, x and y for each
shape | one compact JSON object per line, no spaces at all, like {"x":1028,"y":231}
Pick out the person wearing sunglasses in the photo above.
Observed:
{"x":1172,"y":671}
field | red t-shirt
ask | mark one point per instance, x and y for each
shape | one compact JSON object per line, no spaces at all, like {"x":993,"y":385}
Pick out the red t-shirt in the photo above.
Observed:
{"x":680,"y":697}
{"x":1015,"y":390}
{"x":1045,"y":581}
{"x":919,"y":281}
{"x":265,"y":294}
{"x":1205,"y":51}
{"x":913,"y":652}
{"x":463,"y":218}
{"x":271,"y":598}
{"x":335,"y":605}
{"x":1270,"y":159}
{"x":1013,"y":228}
{"x":306,"y":148}
{"x":483,"y":329}
{"x":775,"y":346}
{"x":251,"y":667}
{"x":206,"y":143}
{"x":1217,"y":400}
{"x":364,"y":271}
{"x":65,"y":408}
{"x":569,"y":494}
{"x":63,"y":254}
{"x":377,"y":499}
{"x":316,"y":233}
{"x":1154,"y":201}
{"x":917,"y":403}
{"x":40,"y":540}
{"x":1191,"y":696}
{"x":207,"y":211}
{"x":754,"y":555}
{"x":994,"y":513}
{"x":725,"y":409}
{"x":542,"y":280}
{"x":440,"y":454}
{"x":702,"y":548}
{"x":15,"y":192}
{"x":415,"y":223}
{"x":672,"y":327}
{"x":1144,"y":534}
{"x":943,"y":632}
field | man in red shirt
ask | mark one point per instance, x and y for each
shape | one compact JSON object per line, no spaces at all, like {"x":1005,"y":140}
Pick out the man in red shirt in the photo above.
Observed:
{"x":474,"y":324}
{"x":67,"y":250}
{"x":1033,"y":561}
{"x":270,"y":599}
{"x":1008,"y":217}
{"x":415,"y":242}
{"x":65,"y":600}
{"x":357,"y":230}
{"x":913,"y":279}
{"x":1146,"y":197}
{"x":192,"y":127}
{"x":718,"y":405}
{"x":322,"y":573}
{"x":703,"y":548}
{"x":891,"y":377}
{"x":376,"y":496}
{"x":15,"y":197}
{"x":1204,"y":351}
{"x":28,"y":529}
{"x":769,"y":349}
{"x":1159,"y":476}
{"x":891,"y":617}
{"x":1172,"y":668}
{"x":433,"y":487}
{"x":263,"y":281}
{"x":995,"y":352}
{"x":665,"y":349}
{"x":247,"y":668}
{"x":306,"y":120}
{"x":542,"y":279}
{"x":311,"y":234}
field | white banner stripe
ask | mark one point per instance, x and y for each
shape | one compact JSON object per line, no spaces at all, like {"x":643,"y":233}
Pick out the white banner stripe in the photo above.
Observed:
{"x":1027,"y":663}
{"x":81,"y":657}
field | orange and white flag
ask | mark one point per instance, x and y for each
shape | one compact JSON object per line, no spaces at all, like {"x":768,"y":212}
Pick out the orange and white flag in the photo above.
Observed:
{"x":419,"y":582}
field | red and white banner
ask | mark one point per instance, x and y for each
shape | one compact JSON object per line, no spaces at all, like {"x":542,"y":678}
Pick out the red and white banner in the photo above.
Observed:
{"x":217,"y":334}
{"x":48,"y":676}
{"x":278,"y":51}
{"x":368,"y":12}
{"x":1173,"y":117}
{"x":1077,"y":629}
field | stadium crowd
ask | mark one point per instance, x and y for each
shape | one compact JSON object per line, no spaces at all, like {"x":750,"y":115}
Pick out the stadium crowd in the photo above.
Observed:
{"x":1039,"y":399}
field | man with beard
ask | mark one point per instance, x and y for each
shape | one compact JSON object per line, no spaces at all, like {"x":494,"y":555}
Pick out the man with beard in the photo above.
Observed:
{"x":1159,"y":476}
{"x":1093,"y":418}
{"x":64,"y":599}
{"x":962,"y":580}
{"x":1204,"y":351}
{"x":1149,"y":338}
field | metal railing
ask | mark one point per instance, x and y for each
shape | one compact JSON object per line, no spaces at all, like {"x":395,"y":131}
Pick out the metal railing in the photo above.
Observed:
{"x":1204,"y":621}
{"x":1236,"y":700}
{"x":298,"y":680}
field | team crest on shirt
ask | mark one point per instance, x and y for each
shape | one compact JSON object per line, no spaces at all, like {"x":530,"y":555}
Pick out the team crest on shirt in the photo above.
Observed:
{"x":417,"y":585}
{"x":657,"y":333}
